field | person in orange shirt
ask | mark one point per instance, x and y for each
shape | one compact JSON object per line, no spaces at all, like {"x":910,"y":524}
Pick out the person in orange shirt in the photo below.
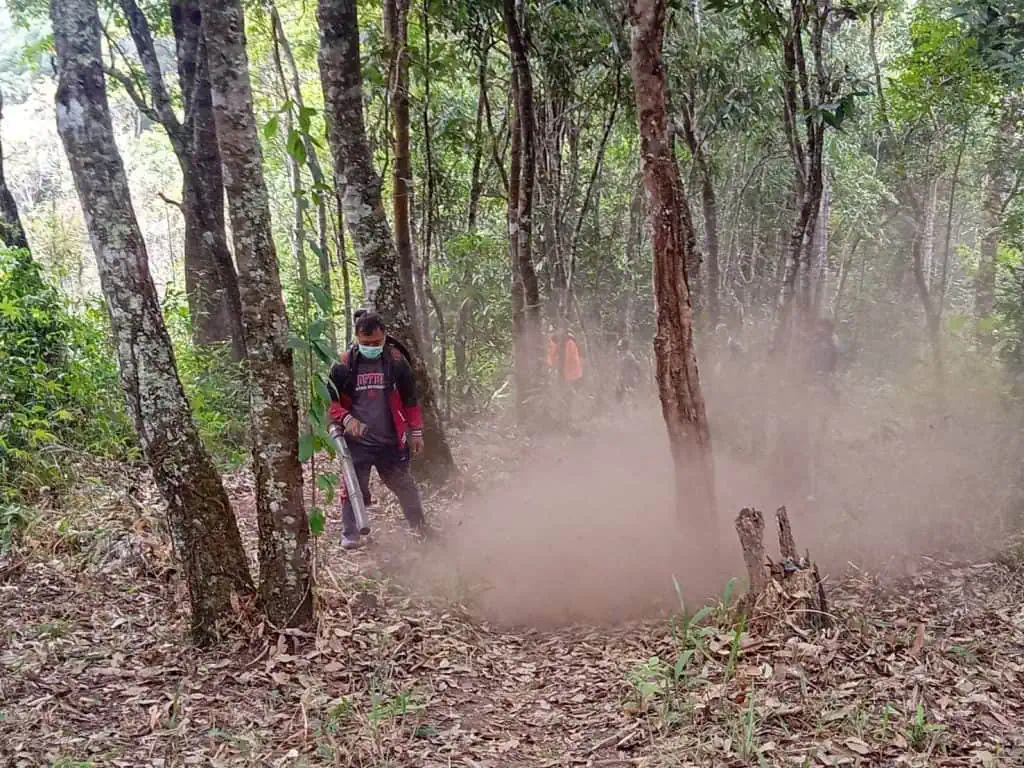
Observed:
{"x":572,"y":366}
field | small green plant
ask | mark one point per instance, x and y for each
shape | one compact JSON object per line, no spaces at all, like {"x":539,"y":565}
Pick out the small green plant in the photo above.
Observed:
{"x":923,"y":734}
{"x":13,"y":522}
{"x":652,"y":680}
{"x":734,"y":647}
{"x":53,"y":630}
{"x":690,"y":634}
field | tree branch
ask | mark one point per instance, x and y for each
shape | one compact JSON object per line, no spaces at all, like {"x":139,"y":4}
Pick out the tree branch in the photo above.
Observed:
{"x":129,"y":86}
{"x":138,"y":26}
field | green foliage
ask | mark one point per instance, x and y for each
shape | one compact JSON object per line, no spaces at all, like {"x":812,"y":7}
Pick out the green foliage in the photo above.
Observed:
{"x":1009,"y":322}
{"x":58,"y":383}
{"x":941,"y":77}
{"x":214,"y":383}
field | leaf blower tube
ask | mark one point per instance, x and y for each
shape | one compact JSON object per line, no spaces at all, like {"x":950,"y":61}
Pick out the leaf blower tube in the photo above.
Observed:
{"x":351,"y":479}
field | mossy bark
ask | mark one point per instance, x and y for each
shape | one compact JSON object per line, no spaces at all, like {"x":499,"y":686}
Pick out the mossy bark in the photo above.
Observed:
{"x":200,"y":518}
{"x":285,"y":577}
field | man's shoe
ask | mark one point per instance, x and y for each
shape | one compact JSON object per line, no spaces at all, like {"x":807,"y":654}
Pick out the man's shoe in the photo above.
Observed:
{"x":350,"y":542}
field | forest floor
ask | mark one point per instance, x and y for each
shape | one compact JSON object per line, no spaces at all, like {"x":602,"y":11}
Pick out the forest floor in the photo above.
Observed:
{"x":926,"y":669}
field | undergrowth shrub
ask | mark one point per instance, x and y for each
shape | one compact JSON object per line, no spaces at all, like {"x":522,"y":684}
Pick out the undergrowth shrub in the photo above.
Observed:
{"x":214,"y":383}
{"x":59,"y":389}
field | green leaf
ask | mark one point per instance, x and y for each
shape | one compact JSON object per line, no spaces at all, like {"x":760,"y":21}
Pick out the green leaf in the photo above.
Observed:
{"x":322,"y":393}
{"x":305,"y":116}
{"x":323,"y":299}
{"x":327,"y":481}
{"x":271,"y":127}
{"x":306,"y":448}
{"x":317,"y":521}
{"x":323,"y":350}
{"x":317,"y":328}
{"x":296,"y":147}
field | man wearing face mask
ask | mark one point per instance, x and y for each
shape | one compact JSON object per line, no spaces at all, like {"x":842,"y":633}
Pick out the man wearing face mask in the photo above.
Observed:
{"x":374,"y":402}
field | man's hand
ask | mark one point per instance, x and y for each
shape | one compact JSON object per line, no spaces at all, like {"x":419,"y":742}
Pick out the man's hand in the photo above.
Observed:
{"x":354,"y":427}
{"x":416,"y":444}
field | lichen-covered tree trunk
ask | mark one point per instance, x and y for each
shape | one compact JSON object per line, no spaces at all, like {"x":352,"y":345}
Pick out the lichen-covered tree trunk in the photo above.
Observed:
{"x":214,"y":297}
{"x":285,"y":578}
{"x":200,"y":519}
{"x":526,"y":290}
{"x":682,"y":401}
{"x":341,"y":76}
{"x":211,"y":284}
{"x":12,"y":233}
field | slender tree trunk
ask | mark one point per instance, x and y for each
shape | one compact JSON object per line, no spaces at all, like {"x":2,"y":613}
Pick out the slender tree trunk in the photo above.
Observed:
{"x":12,"y":233}
{"x":682,"y":400}
{"x":947,"y":245}
{"x":805,"y":152}
{"x":995,"y":193}
{"x":285,"y":578}
{"x":320,"y":190}
{"x":528,"y":363}
{"x":341,"y":76}
{"x":294,"y":170}
{"x":343,"y":264}
{"x":200,"y":519}
{"x":709,"y":207}
{"x":396,"y":18}
{"x":476,"y":186}
{"x":819,"y":277}
{"x":634,"y":241}
{"x":520,"y":356}
{"x":926,"y":238}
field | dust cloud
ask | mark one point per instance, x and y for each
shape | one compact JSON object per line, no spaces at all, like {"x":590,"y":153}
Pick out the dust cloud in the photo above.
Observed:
{"x":584,"y":529}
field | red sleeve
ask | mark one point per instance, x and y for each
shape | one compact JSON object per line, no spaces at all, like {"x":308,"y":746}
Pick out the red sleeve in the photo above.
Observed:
{"x":340,"y":402}
{"x":337,"y":411}
{"x":414,"y":417}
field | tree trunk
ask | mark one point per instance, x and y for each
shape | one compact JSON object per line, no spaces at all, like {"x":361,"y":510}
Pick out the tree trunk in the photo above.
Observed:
{"x":993,"y":208}
{"x":634,"y":241}
{"x":343,"y":263}
{"x":316,"y":172}
{"x":476,"y":186}
{"x":396,"y":27}
{"x":211,"y":283}
{"x":12,"y":234}
{"x":199,"y":515}
{"x":709,"y":207}
{"x":682,"y":401}
{"x":805,"y":151}
{"x":341,"y":76}
{"x":819,"y":275}
{"x":789,"y":591}
{"x":526,"y":291}
{"x":285,"y":579}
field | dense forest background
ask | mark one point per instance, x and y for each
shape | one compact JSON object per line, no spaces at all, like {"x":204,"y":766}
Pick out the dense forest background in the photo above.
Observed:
{"x":866,"y":169}
{"x":920,"y":151}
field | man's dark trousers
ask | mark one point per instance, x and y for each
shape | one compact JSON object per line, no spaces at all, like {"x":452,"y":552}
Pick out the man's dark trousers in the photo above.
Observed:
{"x":392,"y":465}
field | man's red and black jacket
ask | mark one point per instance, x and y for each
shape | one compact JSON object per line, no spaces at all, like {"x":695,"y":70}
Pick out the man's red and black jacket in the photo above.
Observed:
{"x":399,"y":381}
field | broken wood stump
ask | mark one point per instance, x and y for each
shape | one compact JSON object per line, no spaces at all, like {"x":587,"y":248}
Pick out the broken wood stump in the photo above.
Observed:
{"x":788,"y":591}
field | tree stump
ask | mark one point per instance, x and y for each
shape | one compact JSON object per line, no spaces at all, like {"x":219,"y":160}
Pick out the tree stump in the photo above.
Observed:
{"x":787,"y":591}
